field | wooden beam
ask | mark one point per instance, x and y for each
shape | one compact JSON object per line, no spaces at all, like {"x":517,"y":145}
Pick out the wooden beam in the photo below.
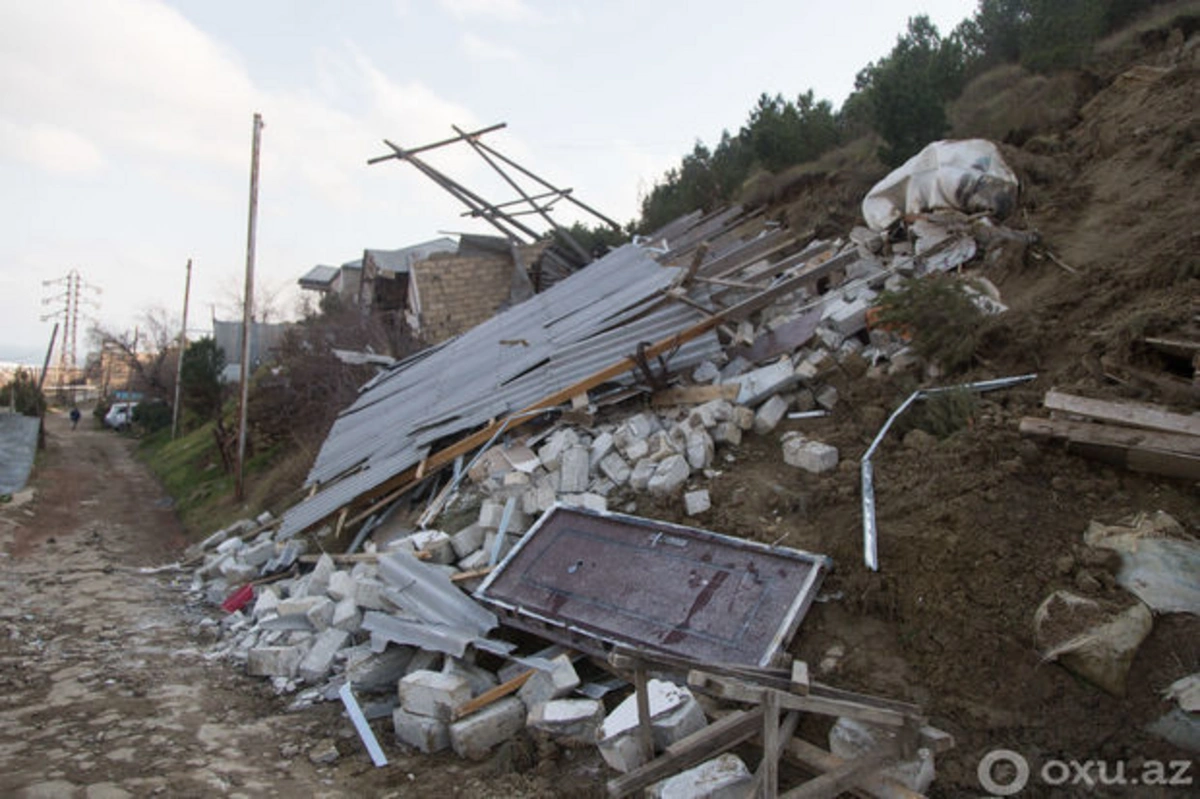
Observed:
{"x":694,"y":395}
{"x":645,"y":730}
{"x":718,"y":737}
{"x":471,"y":575}
{"x":785,"y":732}
{"x":1140,"y":450}
{"x":739,"y":691}
{"x":769,"y":767}
{"x":492,"y":695}
{"x":1134,"y":414}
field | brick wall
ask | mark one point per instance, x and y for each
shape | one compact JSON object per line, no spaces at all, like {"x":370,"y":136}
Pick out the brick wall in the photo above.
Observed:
{"x":458,"y":292}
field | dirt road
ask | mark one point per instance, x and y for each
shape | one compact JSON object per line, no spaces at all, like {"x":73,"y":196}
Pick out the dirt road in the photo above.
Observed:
{"x":105,"y":690}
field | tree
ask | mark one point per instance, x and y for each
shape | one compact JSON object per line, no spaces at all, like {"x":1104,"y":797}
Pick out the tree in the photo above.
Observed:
{"x":21,"y":393}
{"x":145,"y":356}
{"x":200,"y":378}
{"x":909,"y":88}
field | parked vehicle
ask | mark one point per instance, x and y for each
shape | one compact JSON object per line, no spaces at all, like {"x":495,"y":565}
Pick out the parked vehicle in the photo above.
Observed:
{"x":120,"y":415}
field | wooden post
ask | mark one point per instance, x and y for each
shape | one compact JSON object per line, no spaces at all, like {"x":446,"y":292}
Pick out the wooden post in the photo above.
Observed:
{"x":770,"y":758}
{"x":247,"y":313}
{"x":187,"y":289}
{"x":41,"y":382}
{"x":645,"y":731}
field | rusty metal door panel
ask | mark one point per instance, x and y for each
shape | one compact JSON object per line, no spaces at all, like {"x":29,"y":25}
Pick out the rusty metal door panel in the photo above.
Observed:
{"x":618,"y":579}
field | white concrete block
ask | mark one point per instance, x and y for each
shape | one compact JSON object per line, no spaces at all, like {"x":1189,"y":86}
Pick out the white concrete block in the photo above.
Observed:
{"x":660,"y":446}
{"x":643,"y":470}
{"x":431,"y":693}
{"x":575,"y":471}
{"x":369,"y":594}
{"x":696,"y":502}
{"x":479,"y":678}
{"x":319,"y":659}
{"x":274,"y":661}
{"x":318,"y":580}
{"x":436,"y":543}
{"x":743,"y":417}
{"x":812,"y":456}
{"x":614,"y":467}
{"x":553,"y":684}
{"x":468,"y":539}
{"x":474,"y":737}
{"x":763,"y":382}
{"x":669,"y":476}
{"x":700,"y":448}
{"x":423,"y":733}
{"x":618,"y":742}
{"x":346,"y":616}
{"x":678,"y":723}
{"x":266,"y":602}
{"x":601,"y":446}
{"x":571,"y":721}
{"x":341,"y":586}
{"x":257,"y":554}
{"x":769,"y":415}
{"x":706,"y":372}
{"x":551,"y":452}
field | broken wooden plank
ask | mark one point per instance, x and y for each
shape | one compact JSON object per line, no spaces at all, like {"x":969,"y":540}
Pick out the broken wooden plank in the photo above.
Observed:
{"x":1167,"y":454}
{"x":694,"y":395}
{"x":492,"y":695}
{"x":818,"y":760}
{"x":471,"y":575}
{"x":718,"y":737}
{"x":1134,"y":414}
{"x":645,"y":730}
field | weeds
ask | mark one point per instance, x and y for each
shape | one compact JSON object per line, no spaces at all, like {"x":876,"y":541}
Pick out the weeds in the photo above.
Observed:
{"x":939,"y":314}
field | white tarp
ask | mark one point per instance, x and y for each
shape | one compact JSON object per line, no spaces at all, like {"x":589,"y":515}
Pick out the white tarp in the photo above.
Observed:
{"x":968,"y":175}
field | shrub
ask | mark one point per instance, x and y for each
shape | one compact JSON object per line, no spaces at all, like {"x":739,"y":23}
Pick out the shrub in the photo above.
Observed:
{"x":939,"y":314}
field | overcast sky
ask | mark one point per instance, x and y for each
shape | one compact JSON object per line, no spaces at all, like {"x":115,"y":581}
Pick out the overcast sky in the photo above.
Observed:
{"x":125,"y":125}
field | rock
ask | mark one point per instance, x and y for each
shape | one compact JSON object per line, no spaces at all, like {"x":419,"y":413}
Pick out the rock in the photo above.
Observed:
{"x":324,"y":752}
{"x":1097,"y":642}
{"x":727,"y":433}
{"x":696,"y":502}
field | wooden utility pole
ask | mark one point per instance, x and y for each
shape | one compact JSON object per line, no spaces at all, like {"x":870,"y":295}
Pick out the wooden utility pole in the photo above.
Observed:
{"x":187,"y":289}
{"x":248,"y":314}
{"x":40,"y":383}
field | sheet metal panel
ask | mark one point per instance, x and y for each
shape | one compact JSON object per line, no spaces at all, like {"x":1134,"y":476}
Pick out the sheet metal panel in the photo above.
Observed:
{"x":614,"y":579}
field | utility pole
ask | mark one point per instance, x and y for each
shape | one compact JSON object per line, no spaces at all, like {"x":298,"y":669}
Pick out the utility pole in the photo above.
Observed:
{"x":247,"y":313}
{"x":69,"y":314}
{"x":187,"y":289}
{"x":41,"y":382}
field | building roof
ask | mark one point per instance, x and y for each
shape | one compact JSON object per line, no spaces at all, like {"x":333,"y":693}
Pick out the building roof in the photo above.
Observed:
{"x":401,"y":260}
{"x":319,"y":277}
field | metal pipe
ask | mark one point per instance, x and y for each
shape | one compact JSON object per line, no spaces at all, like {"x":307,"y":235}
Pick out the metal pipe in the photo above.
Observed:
{"x":870,"y":531}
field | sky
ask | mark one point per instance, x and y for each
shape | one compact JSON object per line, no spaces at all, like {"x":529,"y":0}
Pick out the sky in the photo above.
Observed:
{"x":126,"y":126}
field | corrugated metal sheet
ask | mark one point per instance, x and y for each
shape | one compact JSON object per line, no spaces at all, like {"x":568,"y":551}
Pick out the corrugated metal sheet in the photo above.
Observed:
{"x":553,"y":340}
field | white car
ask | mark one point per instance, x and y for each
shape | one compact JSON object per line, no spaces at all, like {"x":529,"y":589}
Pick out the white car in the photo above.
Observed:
{"x":120,"y":415}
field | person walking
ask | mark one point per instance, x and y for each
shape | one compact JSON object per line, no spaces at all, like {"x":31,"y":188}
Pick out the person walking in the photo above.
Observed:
{"x":75,"y":415}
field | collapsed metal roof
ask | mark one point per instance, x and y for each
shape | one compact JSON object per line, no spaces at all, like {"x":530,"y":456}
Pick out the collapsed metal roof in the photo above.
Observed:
{"x":400,"y":261}
{"x":549,"y":342}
